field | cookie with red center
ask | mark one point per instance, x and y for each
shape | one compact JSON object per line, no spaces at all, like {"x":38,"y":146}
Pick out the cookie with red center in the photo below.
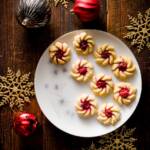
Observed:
{"x":123,"y":68}
{"x":59,"y":53}
{"x":86,"y":106}
{"x":124,"y":93}
{"x":82,"y":70}
{"x":83,"y":43}
{"x":109,"y":114}
{"x":101,"y":85}
{"x":105,"y":55}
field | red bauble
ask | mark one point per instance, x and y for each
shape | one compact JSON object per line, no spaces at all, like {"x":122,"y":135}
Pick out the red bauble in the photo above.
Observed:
{"x":25,"y":124}
{"x":86,"y":10}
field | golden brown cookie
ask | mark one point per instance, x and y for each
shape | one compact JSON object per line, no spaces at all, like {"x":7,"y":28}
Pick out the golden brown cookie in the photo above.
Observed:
{"x":82,"y":70}
{"x":59,"y":53}
{"x":109,"y":114}
{"x":83,"y":43}
{"x":86,"y":106}
{"x":101,"y":85}
{"x":105,"y":55}
{"x":123,"y":68}
{"x":124,"y":93}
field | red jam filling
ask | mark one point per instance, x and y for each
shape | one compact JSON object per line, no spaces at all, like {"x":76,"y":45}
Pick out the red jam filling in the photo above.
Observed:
{"x":122,"y":66}
{"x":101,"y":84}
{"x":85,"y":104}
{"x":124,"y":92}
{"x":105,"y":54}
{"x":83,"y":44}
{"x":82,"y":70}
{"x":59,"y":54}
{"x":108,"y":112}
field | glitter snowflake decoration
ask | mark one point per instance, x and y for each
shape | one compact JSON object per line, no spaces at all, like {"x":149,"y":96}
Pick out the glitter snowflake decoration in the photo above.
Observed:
{"x":139,"y":30}
{"x":63,"y":2}
{"x":15,"y":90}
{"x":121,"y":139}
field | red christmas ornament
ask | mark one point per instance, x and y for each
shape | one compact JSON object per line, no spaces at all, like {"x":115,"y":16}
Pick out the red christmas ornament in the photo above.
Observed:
{"x":86,"y":10}
{"x":25,"y":124}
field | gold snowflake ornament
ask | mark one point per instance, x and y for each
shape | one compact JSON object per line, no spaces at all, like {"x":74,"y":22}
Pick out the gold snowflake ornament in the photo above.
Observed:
{"x":15,"y":89}
{"x":139,"y":30}
{"x":63,"y":2}
{"x":121,"y":139}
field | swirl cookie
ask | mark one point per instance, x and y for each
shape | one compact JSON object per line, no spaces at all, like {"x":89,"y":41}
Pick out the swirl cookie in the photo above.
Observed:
{"x":101,"y":85}
{"x":105,"y":55}
{"x":59,"y":53}
{"x":82,"y":71}
{"x":124,"y":93}
{"x":123,"y":68}
{"x":108,"y":114}
{"x":83,"y":43}
{"x":86,"y":106}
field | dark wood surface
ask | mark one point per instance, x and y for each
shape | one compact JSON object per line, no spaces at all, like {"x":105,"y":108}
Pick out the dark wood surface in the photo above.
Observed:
{"x":21,"y":49}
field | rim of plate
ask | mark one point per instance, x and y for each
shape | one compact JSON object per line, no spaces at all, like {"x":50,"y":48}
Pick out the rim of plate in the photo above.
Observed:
{"x":59,"y":127}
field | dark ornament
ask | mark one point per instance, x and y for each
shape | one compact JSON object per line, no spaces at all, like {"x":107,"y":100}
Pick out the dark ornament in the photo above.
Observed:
{"x":34,"y":13}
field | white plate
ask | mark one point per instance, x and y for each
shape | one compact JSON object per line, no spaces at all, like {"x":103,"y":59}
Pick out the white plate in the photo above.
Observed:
{"x":57,"y":92}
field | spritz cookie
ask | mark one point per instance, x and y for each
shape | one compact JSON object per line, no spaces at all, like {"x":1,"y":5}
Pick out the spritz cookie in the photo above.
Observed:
{"x":101,"y":85}
{"x":86,"y":106}
{"x":83,"y":43}
{"x":105,"y":55}
{"x":124,"y":93}
{"x":108,"y":114}
{"x":82,"y":70}
{"x":59,"y":53}
{"x":123,"y":68}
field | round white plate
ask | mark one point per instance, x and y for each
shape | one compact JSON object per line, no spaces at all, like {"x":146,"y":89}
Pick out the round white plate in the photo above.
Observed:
{"x":57,"y":92}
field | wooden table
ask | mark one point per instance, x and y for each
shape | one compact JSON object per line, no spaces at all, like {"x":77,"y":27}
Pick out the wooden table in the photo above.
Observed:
{"x":21,"y":49}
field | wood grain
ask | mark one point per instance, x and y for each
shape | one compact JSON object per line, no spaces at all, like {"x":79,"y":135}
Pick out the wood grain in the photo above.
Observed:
{"x":21,"y":49}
